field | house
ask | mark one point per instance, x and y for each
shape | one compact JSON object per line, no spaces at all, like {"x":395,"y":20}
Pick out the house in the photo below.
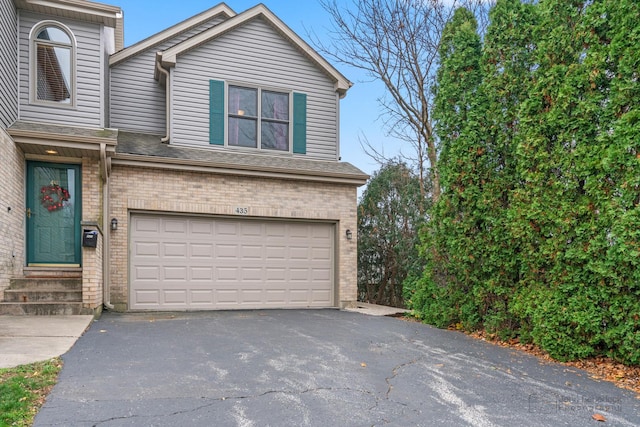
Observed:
{"x":198,"y":169}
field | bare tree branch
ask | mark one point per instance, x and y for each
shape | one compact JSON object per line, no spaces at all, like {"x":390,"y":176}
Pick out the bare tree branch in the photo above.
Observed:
{"x":396,"y":42}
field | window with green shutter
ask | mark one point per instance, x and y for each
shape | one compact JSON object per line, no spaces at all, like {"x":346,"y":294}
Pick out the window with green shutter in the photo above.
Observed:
{"x":258,"y":118}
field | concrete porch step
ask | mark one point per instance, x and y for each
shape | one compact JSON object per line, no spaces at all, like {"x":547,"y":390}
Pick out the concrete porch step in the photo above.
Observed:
{"x":48,"y":272}
{"x":42,"y":295}
{"x":43,"y":308}
{"x":46,"y":283}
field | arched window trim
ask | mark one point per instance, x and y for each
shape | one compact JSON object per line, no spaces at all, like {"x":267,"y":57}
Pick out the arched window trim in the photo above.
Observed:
{"x":33,"y":72}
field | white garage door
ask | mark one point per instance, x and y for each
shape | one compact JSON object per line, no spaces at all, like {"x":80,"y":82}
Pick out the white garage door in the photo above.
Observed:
{"x":197,"y":263}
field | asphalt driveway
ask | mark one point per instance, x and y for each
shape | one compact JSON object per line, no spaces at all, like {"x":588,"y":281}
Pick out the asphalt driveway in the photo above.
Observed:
{"x":313,"y":368}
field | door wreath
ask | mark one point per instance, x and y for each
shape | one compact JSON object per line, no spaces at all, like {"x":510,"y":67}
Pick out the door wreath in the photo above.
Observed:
{"x":53,"y":196}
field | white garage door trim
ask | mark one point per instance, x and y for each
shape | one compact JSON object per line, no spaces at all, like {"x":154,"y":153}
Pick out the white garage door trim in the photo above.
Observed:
{"x":220,"y":263}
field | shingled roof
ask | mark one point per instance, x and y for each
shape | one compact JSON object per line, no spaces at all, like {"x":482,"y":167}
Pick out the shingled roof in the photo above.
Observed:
{"x":144,"y":148}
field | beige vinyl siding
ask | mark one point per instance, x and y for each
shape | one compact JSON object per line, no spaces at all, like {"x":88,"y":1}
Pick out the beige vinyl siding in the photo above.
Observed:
{"x":254,"y":54}
{"x":137,"y":100}
{"x":8,"y":63}
{"x":88,"y":81}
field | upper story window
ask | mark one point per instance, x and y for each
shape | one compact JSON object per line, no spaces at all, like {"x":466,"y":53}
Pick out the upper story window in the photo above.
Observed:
{"x":258,"y":118}
{"x":254,"y":117}
{"x":53,"y":58}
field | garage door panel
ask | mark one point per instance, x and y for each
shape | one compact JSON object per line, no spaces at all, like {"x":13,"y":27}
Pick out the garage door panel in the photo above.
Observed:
{"x":251,"y":229}
{"x":175,"y":250}
{"x":199,"y":263}
{"x":201,"y":251}
{"x":227,"y":274}
{"x":150,"y":249}
{"x":174,"y":227}
{"x":320,"y":275}
{"x":251,"y":252}
{"x":226,"y":228}
{"x":142,"y":273}
{"x":175,"y":296}
{"x":227,"y":296}
{"x":229,"y":251}
{"x":275,"y":252}
{"x":202,"y":297}
{"x":175,"y":273}
{"x":202,"y":274}
{"x":147,"y":225}
{"x":148,"y":297}
{"x":252,"y":275}
{"x":201,"y":229}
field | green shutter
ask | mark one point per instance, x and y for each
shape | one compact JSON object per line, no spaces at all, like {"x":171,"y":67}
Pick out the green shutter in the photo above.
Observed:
{"x":300,"y":123}
{"x":216,"y":112}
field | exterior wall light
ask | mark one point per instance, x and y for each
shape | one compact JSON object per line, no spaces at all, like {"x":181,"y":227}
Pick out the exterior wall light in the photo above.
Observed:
{"x":114,"y":224}
{"x":349,"y":234}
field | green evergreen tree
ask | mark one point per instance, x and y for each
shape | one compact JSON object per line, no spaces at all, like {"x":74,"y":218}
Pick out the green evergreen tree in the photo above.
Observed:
{"x":507,"y":64}
{"x":576,"y":166}
{"x":449,"y":242}
{"x":537,"y":232}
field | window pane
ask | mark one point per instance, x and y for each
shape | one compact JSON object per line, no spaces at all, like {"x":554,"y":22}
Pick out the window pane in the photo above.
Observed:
{"x":275,"y":105}
{"x":243,"y":132}
{"x":243,"y":101}
{"x":53,"y":73}
{"x":275,"y":136}
{"x":54,"y":34}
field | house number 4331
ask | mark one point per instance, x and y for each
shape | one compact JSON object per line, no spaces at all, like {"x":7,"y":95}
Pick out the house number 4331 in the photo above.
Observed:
{"x":241,"y":210}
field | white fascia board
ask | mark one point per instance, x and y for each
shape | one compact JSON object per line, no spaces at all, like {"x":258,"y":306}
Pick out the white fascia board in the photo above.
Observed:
{"x":105,"y":13}
{"x":169,"y":57}
{"x":221,"y":9}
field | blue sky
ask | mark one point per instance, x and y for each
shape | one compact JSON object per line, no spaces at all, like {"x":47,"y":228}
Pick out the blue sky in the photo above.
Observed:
{"x":359,"y":109}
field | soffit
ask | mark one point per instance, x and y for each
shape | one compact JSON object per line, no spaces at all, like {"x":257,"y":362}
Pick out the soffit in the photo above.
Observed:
{"x":37,"y":138}
{"x":83,"y":10}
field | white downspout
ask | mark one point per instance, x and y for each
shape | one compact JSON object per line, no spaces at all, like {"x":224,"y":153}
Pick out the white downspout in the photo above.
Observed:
{"x":165,"y":139}
{"x":106,"y":229}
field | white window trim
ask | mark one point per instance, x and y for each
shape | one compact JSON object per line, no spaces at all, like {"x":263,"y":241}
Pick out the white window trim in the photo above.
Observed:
{"x":259,"y":148}
{"x":33,"y":96}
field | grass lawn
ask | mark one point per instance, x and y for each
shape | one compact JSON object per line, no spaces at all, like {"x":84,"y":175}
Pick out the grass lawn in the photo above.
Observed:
{"x":24,"y":389}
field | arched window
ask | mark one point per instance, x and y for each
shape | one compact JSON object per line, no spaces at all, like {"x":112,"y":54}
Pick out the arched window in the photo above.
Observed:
{"x":53,"y":60}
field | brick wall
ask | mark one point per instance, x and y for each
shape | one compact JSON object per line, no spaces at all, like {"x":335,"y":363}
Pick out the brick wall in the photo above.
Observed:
{"x":153,"y":190}
{"x":12,"y":210}
{"x":92,"y":262}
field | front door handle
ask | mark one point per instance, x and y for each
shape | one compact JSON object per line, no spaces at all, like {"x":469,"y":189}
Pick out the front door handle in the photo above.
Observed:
{"x":29,"y":213}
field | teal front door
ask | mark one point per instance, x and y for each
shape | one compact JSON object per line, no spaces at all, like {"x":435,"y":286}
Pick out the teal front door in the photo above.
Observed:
{"x":53,"y":214}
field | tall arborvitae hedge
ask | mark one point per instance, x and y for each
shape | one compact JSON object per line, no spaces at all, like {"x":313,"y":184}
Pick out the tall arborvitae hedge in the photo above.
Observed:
{"x":454,"y":228}
{"x":537,"y":233}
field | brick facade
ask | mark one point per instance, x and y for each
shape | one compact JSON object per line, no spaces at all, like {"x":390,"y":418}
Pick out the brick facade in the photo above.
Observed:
{"x":12,"y":211}
{"x":92,"y":261}
{"x":154,"y":190}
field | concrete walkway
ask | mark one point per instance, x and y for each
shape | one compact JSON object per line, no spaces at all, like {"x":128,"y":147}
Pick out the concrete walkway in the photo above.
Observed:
{"x":29,"y":339}
{"x":376,"y":310}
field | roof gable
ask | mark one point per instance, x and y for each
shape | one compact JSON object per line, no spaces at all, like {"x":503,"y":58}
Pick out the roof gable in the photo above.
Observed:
{"x":220,"y":10}
{"x":169,"y":57}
